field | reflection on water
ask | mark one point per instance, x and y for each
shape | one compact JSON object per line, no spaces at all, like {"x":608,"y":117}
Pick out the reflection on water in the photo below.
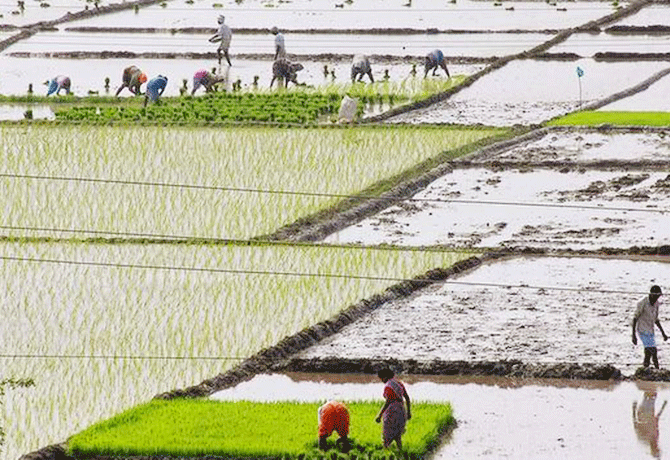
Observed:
{"x":645,"y":418}
{"x":21,"y":112}
{"x":503,"y":417}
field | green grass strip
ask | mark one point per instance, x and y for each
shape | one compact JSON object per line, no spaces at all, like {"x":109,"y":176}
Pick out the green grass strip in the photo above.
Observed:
{"x":199,"y":427}
{"x":595,"y":118}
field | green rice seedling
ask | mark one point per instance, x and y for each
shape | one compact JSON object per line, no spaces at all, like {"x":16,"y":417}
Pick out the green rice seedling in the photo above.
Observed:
{"x":200,"y":183}
{"x":109,"y":328}
{"x":594,"y":118}
{"x":250,"y":430}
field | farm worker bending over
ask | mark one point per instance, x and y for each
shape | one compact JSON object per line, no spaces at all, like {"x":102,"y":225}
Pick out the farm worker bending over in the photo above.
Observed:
{"x":360,"y":67}
{"x":155,"y":89}
{"x":646,"y":316}
{"x":58,"y":83}
{"x":207,"y":79}
{"x":280,"y":48}
{"x":132,"y":79}
{"x":224,"y":35}
{"x":334,"y":416}
{"x":393,"y":412}
{"x":286,"y":70}
{"x":435,"y":59}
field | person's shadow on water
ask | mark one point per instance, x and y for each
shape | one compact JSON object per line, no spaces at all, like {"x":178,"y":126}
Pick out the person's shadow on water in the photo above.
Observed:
{"x":645,"y":419}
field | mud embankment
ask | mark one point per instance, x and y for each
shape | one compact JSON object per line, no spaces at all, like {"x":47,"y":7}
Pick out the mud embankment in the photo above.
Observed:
{"x":267,"y":31}
{"x":512,"y":368}
{"x":321,"y":57}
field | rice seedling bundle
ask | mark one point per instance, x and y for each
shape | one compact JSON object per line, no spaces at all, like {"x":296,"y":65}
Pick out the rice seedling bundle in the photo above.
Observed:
{"x":241,"y":429}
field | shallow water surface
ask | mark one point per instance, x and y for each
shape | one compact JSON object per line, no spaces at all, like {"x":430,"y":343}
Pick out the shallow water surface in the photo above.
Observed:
{"x":18,"y":112}
{"x":507,"y":418}
{"x":529,"y":92}
{"x":537,"y":310}
{"x":480,"y":207}
{"x":480,"y":45}
{"x":369,"y":14}
{"x":89,"y":74}
{"x":587,"y":45}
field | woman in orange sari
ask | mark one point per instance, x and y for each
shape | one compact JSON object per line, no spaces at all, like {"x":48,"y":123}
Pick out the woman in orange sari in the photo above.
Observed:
{"x":393,"y":412}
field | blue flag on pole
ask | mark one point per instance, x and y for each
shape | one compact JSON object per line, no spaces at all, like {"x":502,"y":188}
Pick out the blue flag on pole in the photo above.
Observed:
{"x":580,"y":72}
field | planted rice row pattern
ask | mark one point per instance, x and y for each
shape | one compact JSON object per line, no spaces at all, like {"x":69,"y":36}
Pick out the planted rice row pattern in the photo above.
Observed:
{"x":283,"y":108}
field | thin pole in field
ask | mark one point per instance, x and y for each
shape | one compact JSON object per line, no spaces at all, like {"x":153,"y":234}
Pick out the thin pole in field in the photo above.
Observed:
{"x":580,"y":74}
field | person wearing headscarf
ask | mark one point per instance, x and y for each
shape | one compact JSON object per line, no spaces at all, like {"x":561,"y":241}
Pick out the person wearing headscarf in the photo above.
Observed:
{"x":224,"y":36}
{"x":58,"y":83}
{"x":393,"y":412}
{"x":280,"y":47}
{"x":360,"y":66}
{"x":435,"y":60}
{"x":334,"y":416}
{"x":207,"y":79}
{"x":155,"y":89}
{"x":132,"y":79}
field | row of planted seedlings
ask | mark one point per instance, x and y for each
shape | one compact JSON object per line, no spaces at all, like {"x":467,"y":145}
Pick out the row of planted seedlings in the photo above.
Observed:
{"x":96,"y":288}
{"x":299,"y":105}
{"x":248,"y":429}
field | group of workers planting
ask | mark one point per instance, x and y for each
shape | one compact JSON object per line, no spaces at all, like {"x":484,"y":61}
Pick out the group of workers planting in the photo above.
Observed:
{"x":334,"y":415}
{"x":282,"y":69}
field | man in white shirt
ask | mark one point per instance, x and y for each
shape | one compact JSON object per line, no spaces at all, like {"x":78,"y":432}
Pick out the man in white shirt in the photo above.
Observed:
{"x":280,"y":48}
{"x":646,"y":316}
{"x":224,"y":35}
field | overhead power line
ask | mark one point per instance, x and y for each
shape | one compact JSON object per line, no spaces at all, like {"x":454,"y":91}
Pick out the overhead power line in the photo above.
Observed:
{"x":127,"y":357}
{"x":335,"y":195}
{"x":316,"y":275}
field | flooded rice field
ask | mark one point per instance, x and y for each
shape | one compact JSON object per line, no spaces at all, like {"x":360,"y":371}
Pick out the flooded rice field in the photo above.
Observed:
{"x":652,"y":99}
{"x":91,"y":73}
{"x":534,"y":309}
{"x":506,"y":418}
{"x":528,"y":92}
{"x":587,"y":45}
{"x":518,"y":208}
{"x":369,"y":14}
{"x":620,"y":204}
{"x":650,"y":15}
{"x":299,"y":45}
{"x":587,"y":146}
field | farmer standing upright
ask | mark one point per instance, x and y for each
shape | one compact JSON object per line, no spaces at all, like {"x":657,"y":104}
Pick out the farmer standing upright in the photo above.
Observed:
{"x":224,"y":36}
{"x":280,"y":46}
{"x":646,"y":316}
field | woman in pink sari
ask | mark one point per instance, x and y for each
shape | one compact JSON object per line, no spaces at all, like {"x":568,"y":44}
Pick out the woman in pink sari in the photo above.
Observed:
{"x":393,"y":412}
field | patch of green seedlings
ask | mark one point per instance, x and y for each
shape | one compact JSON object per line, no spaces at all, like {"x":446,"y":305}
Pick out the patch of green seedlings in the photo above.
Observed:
{"x":295,"y":106}
{"x":595,"y":118}
{"x":188,"y":323}
{"x":242,"y":429}
{"x":202,"y":182}
{"x":283,"y":107}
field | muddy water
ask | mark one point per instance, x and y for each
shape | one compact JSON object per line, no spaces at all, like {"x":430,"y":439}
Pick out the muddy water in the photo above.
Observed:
{"x":539,"y":208}
{"x":653,"y":99}
{"x":481,"y":45}
{"x":507,"y":418}
{"x":36,"y":11}
{"x":536,"y":310}
{"x":587,"y":45}
{"x":650,"y":15}
{"x":89,"y":74}
{"x":18,"y":112}
{"x":591,"y":146}
{"x":529,"y":92}
{"x":321,"y":14}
